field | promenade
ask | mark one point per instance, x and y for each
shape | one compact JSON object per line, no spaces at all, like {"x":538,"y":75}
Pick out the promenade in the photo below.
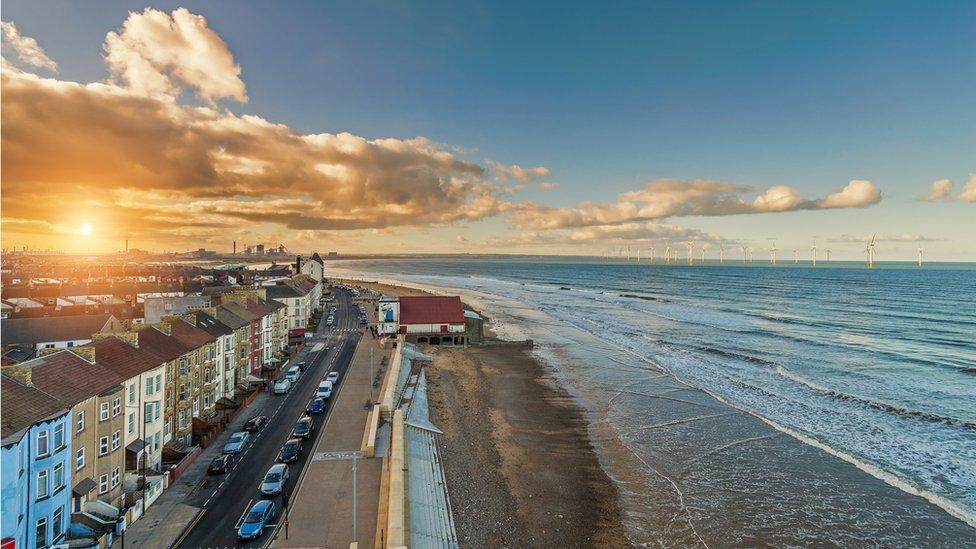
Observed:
{"x":321,"y":510}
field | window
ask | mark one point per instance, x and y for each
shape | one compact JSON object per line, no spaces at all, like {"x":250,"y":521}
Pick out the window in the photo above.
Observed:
{"x":148,"y":412}
{"x":206,"y":400}
{"x":116,"y":440}
{"x":149,"y":386}
{"x":158,"y":441}
{"x":168,"y":428}
{"x":102,"y":484}
{"x":159,"y":382}
{"x":42,"y":484}
{"x":116,"y":407}
{"x":41,"y":533}
{"x":102,"y":446}
{"x":80,"y":458}
{"x":42,"y":448}
{"x":184,"y":367}
{"x":132,"y":423}
{"x":116,"y":477}
{"x":183,"y":419}
{"x":56,"y":524}
{"x":184,"y":391}
{"x":196,"y":407}
{"x":58,"y":436}
{"x":71,"y":344}
{"x":58,"y":476}
{"x":157,"y":415}
{"x":103,"y":412}
{"x":132,"y":393}
{"x":80,"y":421}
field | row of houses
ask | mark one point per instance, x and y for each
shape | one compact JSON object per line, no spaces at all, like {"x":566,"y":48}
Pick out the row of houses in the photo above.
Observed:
{"x":90,"y":424}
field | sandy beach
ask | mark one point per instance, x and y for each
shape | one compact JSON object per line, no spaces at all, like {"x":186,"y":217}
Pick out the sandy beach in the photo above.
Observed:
{"x":520,"y":467}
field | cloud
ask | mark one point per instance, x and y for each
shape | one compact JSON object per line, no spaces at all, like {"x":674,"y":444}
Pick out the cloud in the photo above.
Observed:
{"x":663,"y":198}
{"x":26,"y":48}
{"x":156,"y":54}
{"x":460,"y":239}
{"x":968,"y":193}
{"x":886,"y":238}
{"x":518,"y":173}
{"x":548,"y":186}
{"x":857,"y":194}
{"x":604,"y":235}
{"x":941,"y":189}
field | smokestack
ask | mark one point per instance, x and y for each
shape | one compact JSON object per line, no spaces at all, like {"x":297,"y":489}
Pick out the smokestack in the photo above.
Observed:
{"x":235,"y":247}
{"x":126,"y":245}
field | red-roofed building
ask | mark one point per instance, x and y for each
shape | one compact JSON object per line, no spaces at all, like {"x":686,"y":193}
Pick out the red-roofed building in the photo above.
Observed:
{"x":438,"y":320}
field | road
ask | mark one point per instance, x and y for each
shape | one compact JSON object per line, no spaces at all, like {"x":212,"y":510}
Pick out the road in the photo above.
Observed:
{"x":226,"y":498}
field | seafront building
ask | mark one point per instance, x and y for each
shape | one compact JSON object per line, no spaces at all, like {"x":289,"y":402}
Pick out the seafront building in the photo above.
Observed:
{"x":91,"y":400}
{"x":36,"y":462}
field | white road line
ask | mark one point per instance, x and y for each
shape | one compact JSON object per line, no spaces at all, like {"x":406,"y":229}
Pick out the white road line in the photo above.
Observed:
{"x":246,"y":509}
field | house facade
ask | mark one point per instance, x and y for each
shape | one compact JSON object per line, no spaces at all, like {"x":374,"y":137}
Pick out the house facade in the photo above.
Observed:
{"x":36,"y":466}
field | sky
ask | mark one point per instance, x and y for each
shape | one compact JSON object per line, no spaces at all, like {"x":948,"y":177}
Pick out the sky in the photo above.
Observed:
{"x":495,"y":127}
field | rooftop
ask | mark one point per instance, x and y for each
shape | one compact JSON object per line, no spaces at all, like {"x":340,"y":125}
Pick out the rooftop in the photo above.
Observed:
{"x":30,"y":331}
{"x":24,"y":406}
{"x":432,"y":309}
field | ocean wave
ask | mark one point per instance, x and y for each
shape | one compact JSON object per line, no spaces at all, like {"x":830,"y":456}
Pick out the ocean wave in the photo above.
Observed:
{"x":887,"y":407}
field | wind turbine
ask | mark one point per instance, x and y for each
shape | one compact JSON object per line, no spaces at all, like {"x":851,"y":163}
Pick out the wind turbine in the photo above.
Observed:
{"x":870,"y":251}
{"x":667,"y":254}
{"x":704,"y":246}
{"x":920,"y":256}
{"x":638,"y":254}
{"x":721,"y":254}
{"x":691,"y":249}
{"x":745,"y":254}
{"x":772,"y":252}
{"x":796,"y":256}
{"x":814,"y":250}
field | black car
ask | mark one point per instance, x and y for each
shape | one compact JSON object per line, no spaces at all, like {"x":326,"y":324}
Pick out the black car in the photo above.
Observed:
{"x":303,"y":429}
{"x":290,"y":451}
{"x":302,"y":365}
{"x":255,"y":423}
{"x":220,"y":464}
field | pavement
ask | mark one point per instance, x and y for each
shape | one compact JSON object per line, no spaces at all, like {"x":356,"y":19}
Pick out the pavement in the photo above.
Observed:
{"x":321,"y":513}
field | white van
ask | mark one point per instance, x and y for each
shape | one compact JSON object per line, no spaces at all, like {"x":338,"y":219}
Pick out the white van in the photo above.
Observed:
{"x":324,"y":390}
{"x":293,"y":373}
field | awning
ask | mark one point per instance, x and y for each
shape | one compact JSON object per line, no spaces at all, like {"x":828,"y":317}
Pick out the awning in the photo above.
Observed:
{"x":84,"y":486}
{"x":253,"y":379}
{"x":297,"y":332}
{"x":136,"y":446}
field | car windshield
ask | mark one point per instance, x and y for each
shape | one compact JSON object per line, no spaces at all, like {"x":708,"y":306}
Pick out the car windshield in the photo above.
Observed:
{"x":272,"y":477}
{"x":218,"y":461}
{"x":301,"y":427}
{"x":253,"y":516}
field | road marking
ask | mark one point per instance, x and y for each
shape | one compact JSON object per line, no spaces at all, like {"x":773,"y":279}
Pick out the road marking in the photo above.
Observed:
{"x":337,"y":456}
{"x":241,"y":519}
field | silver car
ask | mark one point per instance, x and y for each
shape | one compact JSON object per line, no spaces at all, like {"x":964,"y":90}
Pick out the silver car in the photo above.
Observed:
{"x":274,"y":480}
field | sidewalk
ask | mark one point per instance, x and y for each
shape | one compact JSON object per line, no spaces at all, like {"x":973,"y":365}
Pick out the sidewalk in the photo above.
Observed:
{"x":321,"y":512}
{"x":169,"y":517}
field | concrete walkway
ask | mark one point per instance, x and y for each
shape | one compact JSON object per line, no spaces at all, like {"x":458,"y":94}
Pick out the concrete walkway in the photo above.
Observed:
{"x":321,"y":510}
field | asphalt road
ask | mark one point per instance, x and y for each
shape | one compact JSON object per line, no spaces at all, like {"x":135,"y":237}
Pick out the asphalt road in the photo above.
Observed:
{"x":226,"y":498}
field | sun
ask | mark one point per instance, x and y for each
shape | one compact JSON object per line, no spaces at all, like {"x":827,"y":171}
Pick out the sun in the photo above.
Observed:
{"x":85,"y":229}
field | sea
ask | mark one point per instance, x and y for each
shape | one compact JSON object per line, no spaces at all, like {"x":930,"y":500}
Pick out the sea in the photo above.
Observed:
{"x":751,"y":405}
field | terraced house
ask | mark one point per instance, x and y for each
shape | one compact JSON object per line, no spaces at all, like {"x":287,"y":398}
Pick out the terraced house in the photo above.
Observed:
{"x":95,"y":396}
{"x":241,"y":353}
{"x":36,"y":459}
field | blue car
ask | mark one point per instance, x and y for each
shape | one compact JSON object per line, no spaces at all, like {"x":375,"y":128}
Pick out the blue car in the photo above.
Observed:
{"x":236,"y":443}
{"x":256,"y":520}
{"x":317,"y":406}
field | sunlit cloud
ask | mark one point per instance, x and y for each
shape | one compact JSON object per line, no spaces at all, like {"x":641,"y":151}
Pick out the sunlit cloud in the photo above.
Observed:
{"x":968,"y":193}
{"x":886,"y":238}
{"x":26,"y":48}
{"x":941,"y":189}
{"x":663,"y":198}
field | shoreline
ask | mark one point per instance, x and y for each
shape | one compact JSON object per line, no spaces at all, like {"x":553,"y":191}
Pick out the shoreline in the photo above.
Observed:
{"x":665,"y":451}
{"x":521,"y":467}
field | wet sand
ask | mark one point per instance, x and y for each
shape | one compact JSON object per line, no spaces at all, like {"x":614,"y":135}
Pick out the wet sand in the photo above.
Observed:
{"x":520,"y":467}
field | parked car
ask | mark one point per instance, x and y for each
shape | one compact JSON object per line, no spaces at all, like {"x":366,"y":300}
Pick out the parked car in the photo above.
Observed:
{"x":324,"y":390}
{"x":237,"y":442}
{"x":255,"y":423}
{"x":302,"y":366}
{"x":293,"y":373}
{"x":333,"y":377}
{"x":330,"y":320}
{"x":290,"y":450}
{"x":282,"y":386}
{"x":303,"y":428}
{"x":274,"y":480}
{"x":317,"y":406}
{"x":256,"y":520}
{"x":220,"y":464}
